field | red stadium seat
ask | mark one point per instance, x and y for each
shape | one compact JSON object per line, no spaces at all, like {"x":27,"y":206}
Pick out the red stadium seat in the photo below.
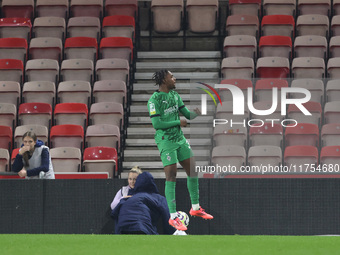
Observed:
{"x":13,"y":48}
{"x":272,"y":67}
{"x":12,"y":70}
{"x":81,"y":47}
{"x":299,"y":155}
{"x":278,"y":25}
{"x":71,"y":114}
{"x":117,"y":47}
{"x":16,"y":28}
{"x":302,"y":134}
{"x":101,"y":159}
{"x":35,"y":114}
{"x":67,"y":136}
{"x":119,"y":26}
{"x":275,"y":46}
{"x":330,"y":155}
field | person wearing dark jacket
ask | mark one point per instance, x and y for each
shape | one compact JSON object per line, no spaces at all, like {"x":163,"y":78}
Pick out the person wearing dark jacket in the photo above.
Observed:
{"x":33,"y":160}
{"x":140,"y":213}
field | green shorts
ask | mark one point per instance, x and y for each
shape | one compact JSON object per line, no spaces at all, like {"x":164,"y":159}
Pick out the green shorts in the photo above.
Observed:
{"x":174,"y":152}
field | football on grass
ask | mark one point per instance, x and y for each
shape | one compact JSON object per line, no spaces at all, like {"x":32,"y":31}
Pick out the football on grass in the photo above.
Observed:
{"x":183,"y":217}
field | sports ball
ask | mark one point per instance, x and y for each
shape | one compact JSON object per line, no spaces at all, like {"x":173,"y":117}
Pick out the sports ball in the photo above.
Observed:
{"x":183,"y":217}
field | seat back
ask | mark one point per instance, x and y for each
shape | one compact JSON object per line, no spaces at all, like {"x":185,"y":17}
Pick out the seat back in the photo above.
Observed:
{"x":101,"y":159}
{"x":302,"y":134}
{"x":8,"y":115}
{"x":39,"y":91}
{"x":50,"y":27}
{"x":103,"y":135}
{"x":167,"y":15}
{"x":308,"y":67}
{"x":86,"y":8}
{"x":202,"y":15}
{"x":237,"y":68}
{"x":109,"y":91}
{"x":240,"y":46}
{"x":83,"y":26}
{"x":77,"y":70}
{"x":330,"y":134}
{"x":35,"y":114}
{"x":312,"y":24}
{"x":42,"y":70}
{"x":66,"y":159}
{"x":48,"y":8}
{"x":74,"y":92}
{"x":243,"y":25}
{"x":266,"y":134}
{"x":67,"y":136}
{"x":10,"y":92}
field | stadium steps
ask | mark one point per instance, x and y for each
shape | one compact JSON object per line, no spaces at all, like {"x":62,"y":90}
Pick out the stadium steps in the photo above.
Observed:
{"x":188,"y":67}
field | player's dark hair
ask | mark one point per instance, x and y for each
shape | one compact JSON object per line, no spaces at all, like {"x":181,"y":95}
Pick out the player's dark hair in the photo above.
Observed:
{"x":159,"y":76}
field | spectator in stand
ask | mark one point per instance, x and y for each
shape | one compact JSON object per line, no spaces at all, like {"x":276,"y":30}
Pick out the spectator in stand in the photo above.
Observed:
{"x":33,"y":160}
{"x":140,"y":212}
{"x":123,"y":192}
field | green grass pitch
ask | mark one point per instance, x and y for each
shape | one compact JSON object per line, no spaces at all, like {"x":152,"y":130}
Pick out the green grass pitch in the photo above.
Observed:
{"x":182,"y":245}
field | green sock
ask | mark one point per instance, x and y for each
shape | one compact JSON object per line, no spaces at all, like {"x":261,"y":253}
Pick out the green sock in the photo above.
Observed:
{"x":192,"y":183}
{"x":170,"y":194}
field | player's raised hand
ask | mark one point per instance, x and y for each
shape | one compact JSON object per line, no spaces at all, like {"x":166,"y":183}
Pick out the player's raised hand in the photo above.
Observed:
{"x":184,"y":123}
{"x":197,"y":111}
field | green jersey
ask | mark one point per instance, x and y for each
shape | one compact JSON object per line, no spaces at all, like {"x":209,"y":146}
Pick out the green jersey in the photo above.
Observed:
{"x":166,"y":106}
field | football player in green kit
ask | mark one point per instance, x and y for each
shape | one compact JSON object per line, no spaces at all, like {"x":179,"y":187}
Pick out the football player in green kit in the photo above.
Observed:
{"x":164,"y":107}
